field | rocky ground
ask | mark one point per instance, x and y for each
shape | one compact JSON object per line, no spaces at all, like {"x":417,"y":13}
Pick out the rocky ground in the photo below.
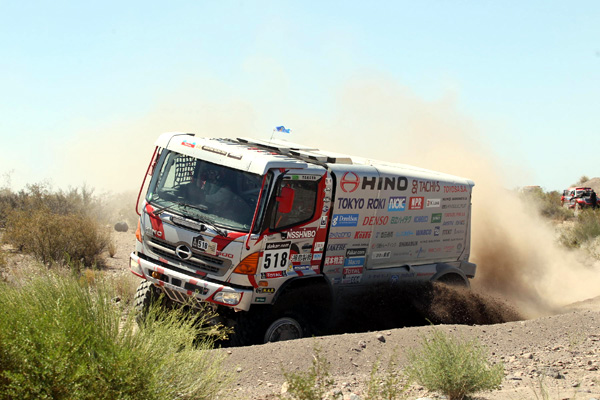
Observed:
{"x":553,"y":357}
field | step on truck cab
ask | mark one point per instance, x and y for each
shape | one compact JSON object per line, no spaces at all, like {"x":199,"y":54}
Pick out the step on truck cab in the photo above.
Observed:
{"x":269,"y":233}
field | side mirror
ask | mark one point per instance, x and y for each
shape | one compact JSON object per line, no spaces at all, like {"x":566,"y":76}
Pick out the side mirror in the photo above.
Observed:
{"x":285,"y":200}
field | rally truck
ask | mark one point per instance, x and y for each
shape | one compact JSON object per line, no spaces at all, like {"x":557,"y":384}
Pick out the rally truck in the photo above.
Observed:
{"x":270,"y":233}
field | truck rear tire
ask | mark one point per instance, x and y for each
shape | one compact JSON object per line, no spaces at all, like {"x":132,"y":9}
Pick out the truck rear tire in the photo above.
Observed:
{"x":286,"y":328}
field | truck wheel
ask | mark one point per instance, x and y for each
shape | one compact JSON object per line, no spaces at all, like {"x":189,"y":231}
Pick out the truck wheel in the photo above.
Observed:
{"x":286,"y":328}
{"x":145,"y":295}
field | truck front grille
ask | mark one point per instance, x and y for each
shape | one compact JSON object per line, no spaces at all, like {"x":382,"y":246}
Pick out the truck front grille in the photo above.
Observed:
{"x":198,"y":261}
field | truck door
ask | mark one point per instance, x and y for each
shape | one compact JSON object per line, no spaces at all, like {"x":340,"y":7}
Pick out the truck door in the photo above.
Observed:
{"x":296,"y":227}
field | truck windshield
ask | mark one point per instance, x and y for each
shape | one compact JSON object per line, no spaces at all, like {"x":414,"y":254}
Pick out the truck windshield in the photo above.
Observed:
{"x":196,"y":188}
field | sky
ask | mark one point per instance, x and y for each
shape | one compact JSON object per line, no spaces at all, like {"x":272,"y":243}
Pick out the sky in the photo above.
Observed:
{"x":87,"y":87}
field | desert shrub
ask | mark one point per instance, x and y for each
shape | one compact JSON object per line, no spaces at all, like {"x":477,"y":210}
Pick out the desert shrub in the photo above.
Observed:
{"x":311,"y":384}
{"x":60,"y":339}
{"x":454,"y":367}
{"x":585,"y":229}
{"x":56,"y":238}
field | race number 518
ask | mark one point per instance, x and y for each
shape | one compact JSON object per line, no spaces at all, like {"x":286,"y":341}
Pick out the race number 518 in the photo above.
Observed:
{"x":276,"y":256}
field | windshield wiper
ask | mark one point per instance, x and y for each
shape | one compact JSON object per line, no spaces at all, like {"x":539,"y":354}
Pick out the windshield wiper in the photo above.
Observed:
{"x":204,"y":220}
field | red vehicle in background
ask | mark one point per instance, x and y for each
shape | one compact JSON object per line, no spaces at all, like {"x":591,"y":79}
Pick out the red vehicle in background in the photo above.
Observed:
{"x":579,"y":198}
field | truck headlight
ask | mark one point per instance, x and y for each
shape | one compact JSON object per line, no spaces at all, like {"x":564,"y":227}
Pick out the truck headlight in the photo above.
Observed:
{"x":229,"y":298}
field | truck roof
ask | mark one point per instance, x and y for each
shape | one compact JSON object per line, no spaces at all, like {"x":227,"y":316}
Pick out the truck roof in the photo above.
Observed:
{"x":258,"y":156}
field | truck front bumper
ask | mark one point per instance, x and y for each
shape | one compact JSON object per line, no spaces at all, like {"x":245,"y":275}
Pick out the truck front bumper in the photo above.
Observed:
{"x":179,"y":287}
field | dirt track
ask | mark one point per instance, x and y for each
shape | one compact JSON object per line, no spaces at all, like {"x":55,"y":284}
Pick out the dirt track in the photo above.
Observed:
{"x":559,"y":354}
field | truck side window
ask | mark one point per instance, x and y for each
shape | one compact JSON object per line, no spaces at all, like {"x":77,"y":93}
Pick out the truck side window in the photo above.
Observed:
{"x":303,"y":208}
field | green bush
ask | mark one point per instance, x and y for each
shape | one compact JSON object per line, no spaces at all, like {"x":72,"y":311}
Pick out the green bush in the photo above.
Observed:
{"x":56,"y":238}
{"x":60,"y":339}
{"x":585,"y":229}
{"x":456,"y":368}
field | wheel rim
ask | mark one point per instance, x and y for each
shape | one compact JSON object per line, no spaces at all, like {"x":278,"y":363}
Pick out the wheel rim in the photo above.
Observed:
{"x":283,"y":329}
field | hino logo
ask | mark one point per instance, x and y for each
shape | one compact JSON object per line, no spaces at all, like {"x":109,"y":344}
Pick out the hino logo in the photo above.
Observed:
{"x":349,"y":182}
{"x":183,"y":252}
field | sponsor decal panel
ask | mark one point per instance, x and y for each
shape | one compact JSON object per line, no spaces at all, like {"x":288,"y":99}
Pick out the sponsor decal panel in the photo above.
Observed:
{"x":401,"y":220}
{"x":334,"y":260}
{"x":399,"y":183}
{"x":397,"y":204}
{"x":430,"y":203}
{"x":416,"y":203}
{"x":344,"y":220}
{"x":302,"y":234}
{"x":419,"y":186}
{"x":340,"y":235}
{"x":436,"y":218}
{"x":379,"y":255}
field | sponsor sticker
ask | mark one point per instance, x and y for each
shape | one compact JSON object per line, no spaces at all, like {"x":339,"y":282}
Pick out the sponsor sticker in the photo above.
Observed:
{"x":433,"y":203}
{"x":436,"y":218}
{"x":397,"y":204}
{"x":416,"y":203}
{"x":344,"y":220}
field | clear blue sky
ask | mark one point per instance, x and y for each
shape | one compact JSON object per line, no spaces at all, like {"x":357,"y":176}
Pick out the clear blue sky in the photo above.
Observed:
{"x":86,"y":87}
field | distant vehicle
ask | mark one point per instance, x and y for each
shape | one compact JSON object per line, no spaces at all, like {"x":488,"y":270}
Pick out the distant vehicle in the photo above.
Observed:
{"x":577,"y":198}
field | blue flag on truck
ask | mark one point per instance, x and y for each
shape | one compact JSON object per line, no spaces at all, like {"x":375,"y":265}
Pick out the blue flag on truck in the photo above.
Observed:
{"x":282,"y":129}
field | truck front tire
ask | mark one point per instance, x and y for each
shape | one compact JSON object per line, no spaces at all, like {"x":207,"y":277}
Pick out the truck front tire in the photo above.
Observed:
{"x":286,"y":328}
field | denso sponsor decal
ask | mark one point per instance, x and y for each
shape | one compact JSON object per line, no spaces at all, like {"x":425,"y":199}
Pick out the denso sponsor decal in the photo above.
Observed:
{"x":336,"y":247}
{"x":416,"y":203}
{"x":376,"y":220}
{"x":344,"y":220}
{"x":436,"y":218}
{"x":303,"y":234}
{"x":349,"y":182}
{"x":340,"y":235}
{"x":397,"y":204}
{"x":399,"y":183}
{"x":352,"y":271}
{"x":425,"y":186}
{"x":430,"y":203}
{"x":421,"y":219}
{"x":401,"y":220}
{"x":334,"y":260}
{"x":455,"y":189}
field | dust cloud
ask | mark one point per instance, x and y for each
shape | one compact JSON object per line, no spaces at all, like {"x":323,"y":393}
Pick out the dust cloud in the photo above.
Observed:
{"x":515,"y":251}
